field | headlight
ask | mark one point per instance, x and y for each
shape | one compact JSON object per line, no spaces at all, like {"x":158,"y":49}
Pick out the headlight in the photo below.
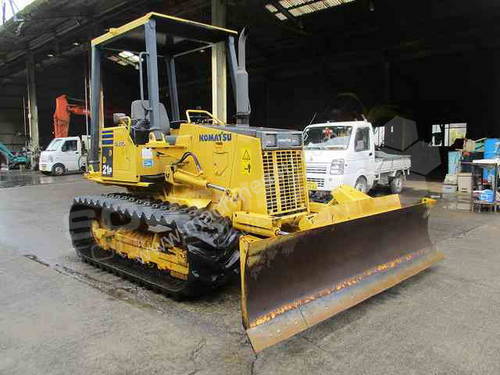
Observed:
{"x":289,"y":140}
{"x":283,"y":140}
{"x":337,"y":166}
{"x":296,"y":140}
{"x":270,"y":140}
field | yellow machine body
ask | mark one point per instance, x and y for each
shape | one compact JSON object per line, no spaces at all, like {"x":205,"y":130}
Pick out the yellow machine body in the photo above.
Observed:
{"x":144,"y":248}
{"x":264,"y":189}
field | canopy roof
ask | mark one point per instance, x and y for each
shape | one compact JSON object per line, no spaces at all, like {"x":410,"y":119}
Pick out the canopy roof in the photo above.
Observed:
{"x":170,"y":30}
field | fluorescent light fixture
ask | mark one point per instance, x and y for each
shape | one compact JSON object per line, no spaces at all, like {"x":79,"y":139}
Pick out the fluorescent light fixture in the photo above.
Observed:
{"x":125,"y":58}
{"x":129,"y":56}
{"x":299,"y":8}
{"x":271,"y":8}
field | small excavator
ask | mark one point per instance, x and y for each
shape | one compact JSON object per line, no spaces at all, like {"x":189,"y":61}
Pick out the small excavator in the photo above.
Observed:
{"x":206,"y":200}
{"x":13,"y":160}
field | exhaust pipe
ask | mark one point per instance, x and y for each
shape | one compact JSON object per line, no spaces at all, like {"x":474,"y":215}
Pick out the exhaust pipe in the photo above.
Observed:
{"x":239,"y":78}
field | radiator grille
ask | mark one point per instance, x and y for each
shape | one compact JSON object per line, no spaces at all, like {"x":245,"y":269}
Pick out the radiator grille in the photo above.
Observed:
{"x":284,"y":180}
{"x":317,"y":168}
{"x":320,"y":182}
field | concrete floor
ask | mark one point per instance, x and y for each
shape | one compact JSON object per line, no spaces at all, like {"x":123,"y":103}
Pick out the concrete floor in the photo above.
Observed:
{"x":60,"y":316}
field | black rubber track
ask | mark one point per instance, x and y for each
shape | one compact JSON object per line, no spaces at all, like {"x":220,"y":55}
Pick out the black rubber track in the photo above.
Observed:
{"x":210,"y":241}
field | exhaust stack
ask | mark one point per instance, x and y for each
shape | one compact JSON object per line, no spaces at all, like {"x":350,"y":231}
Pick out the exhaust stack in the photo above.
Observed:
{"x":239,"y":79}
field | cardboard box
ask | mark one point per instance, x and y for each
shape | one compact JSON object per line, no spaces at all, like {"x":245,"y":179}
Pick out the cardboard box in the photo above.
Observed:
{"x":464,"y":181}
{"x":451,"y":179}
{"x":449,"y":189}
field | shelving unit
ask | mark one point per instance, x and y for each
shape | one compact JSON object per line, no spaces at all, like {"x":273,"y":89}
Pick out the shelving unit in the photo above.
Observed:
{"x":477,"y":167}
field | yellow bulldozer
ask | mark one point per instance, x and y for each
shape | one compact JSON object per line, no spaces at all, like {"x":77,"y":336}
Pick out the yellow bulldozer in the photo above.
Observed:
{"x":206,"y":200}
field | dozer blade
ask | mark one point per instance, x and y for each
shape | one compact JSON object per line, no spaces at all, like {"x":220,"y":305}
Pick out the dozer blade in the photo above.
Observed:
{"x":292,"y":282}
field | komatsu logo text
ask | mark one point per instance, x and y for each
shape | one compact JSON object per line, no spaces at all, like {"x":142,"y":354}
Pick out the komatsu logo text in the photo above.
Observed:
{"x":222,"y":137}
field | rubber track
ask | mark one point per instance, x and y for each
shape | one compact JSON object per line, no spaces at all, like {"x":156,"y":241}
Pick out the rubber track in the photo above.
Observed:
{"x":213,"y":231}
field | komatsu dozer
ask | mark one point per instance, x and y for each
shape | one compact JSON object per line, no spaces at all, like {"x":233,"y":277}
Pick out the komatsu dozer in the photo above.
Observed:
{"x":205,"y":200}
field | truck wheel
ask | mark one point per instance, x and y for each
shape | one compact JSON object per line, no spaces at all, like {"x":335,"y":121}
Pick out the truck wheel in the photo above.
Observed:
{"x":58,"y":170}
{"x":361,"y":184}
{"x":397,"y":183}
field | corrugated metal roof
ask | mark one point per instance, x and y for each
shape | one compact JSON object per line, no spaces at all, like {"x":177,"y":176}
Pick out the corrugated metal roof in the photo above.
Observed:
{"x":299,"y":8}
{"x":50,"y":29}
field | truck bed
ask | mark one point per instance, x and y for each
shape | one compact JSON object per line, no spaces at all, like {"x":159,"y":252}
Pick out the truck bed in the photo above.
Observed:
{"x":387,"y":163}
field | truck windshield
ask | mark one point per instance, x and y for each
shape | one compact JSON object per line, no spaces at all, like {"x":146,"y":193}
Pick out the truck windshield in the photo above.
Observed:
{"x":54,"y":145}
{"x":326,"y":137}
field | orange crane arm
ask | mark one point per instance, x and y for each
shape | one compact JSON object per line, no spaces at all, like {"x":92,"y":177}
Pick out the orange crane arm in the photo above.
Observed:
{"x":62,"y":115}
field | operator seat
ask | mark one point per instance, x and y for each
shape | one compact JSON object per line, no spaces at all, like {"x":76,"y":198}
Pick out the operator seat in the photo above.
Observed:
{"x":140,"y":121}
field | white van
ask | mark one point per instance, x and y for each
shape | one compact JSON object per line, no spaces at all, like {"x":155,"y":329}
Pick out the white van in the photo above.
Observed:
{"x":343,"y":153}
{"x":63,"y":155}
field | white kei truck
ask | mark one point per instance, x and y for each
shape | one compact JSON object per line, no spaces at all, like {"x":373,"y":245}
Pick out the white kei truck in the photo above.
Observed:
{"x":64,"y":155}
{"x":344,"y":153}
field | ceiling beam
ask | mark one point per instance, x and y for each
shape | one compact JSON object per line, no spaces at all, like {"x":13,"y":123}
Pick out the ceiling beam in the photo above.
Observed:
{"x":286,"y":13}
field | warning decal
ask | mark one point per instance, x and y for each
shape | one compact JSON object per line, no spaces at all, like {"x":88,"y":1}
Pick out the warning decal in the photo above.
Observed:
{"x":246,"y":162}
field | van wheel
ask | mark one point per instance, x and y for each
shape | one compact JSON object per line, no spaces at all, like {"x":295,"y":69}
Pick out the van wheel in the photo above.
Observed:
{"x":397,"y":183}
{"x":361,"y":185}
{"x":58,"y":170}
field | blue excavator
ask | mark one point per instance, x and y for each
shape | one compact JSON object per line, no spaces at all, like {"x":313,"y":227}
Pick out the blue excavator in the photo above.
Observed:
{"x":13,"y":160}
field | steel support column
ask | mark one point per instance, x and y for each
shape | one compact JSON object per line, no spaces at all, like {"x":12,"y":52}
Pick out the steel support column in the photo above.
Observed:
{"x":32,"y":109}
{"x":152,"y":74}
{"x":172,"y":87}
{"x":96,"y":108}
{"x":219,"y":80}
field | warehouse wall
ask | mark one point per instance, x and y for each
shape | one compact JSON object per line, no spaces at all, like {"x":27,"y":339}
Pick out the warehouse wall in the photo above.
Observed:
{"x":292,"y":100}
{"x":64,"y":77}
{"x":53,"y":78}
{"x":11,"y":116}
{"x":453,"y":88}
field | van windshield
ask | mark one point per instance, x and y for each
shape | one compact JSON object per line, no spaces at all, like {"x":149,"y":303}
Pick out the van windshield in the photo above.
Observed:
{"x":54,"y":145}
{"x":327,"y":137}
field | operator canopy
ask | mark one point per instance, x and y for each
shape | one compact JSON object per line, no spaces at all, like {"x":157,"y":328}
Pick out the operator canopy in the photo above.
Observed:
{"x":178,"y":34}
